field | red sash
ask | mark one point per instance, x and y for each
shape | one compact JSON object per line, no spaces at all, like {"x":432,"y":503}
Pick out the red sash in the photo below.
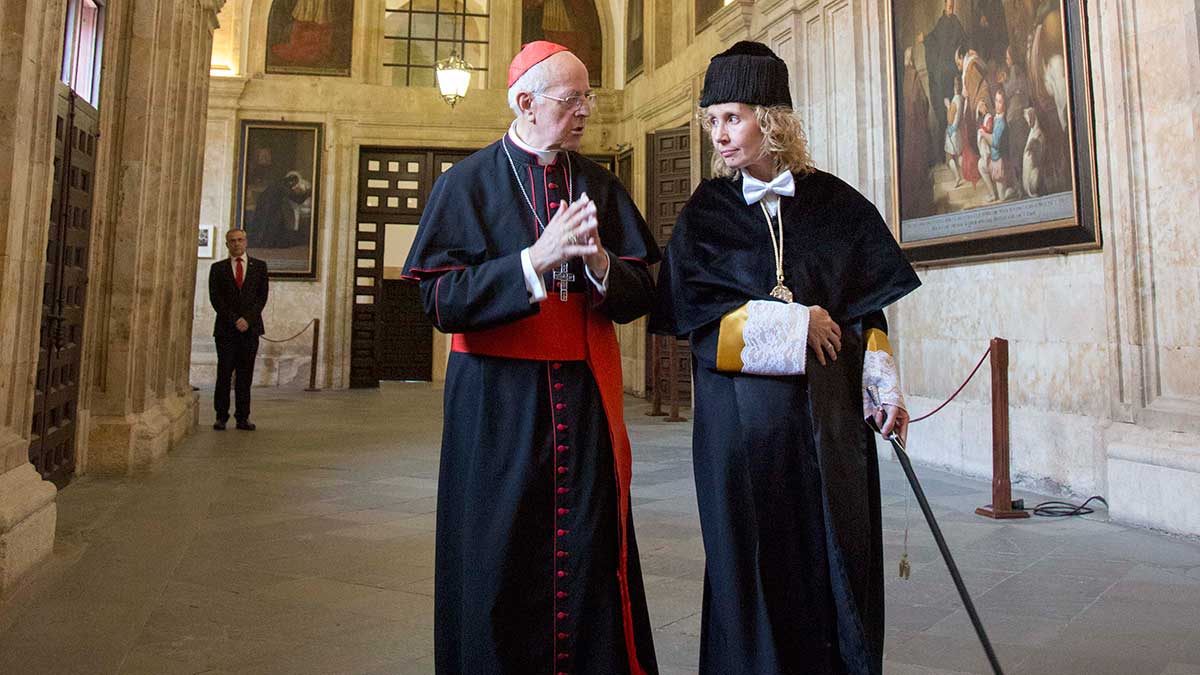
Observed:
{"x":574,"y":331}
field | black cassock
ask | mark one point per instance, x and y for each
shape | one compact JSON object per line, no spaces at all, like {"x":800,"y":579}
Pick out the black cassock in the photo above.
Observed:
{"x":530,"y":488}
{"x":786,"y":472}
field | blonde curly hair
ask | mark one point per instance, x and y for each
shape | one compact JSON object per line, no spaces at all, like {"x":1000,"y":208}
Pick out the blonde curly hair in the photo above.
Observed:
{"x":783,"y":138}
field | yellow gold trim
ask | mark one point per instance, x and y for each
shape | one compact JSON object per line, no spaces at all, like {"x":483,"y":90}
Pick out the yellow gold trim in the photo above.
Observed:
{"x":877,"y":340}
{"x":730,"y":341}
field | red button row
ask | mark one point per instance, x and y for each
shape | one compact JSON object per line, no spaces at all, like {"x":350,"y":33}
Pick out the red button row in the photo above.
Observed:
{"x":562,"y":511}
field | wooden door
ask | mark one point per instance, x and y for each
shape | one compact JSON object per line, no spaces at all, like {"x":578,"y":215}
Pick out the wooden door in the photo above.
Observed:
{"x":56,"y":390}
{"x":391,"y":337}
{"x":669,"y":185}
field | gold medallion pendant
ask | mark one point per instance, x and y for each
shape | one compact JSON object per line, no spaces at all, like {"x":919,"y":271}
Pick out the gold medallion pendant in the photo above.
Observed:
{"x":780,"y":292}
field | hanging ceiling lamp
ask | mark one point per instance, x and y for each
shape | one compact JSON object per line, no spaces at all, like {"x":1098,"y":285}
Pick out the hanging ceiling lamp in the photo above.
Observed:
{"x":453,"y":78}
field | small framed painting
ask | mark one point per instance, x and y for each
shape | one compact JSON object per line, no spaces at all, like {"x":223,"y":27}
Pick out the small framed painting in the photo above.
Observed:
{"x":206,"y":245}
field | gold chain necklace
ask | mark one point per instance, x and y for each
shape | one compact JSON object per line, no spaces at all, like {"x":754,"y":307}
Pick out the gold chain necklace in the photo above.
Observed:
{"x":780,"y":292}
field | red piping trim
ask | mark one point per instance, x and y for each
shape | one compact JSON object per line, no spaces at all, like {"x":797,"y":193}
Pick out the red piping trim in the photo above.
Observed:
{"x":632,"y":259}
{"x":536,"y":234}
{"x":437,"y":270}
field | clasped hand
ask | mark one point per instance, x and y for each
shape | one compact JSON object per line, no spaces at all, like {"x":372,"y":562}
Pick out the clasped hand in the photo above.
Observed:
{"x":572,"y":232}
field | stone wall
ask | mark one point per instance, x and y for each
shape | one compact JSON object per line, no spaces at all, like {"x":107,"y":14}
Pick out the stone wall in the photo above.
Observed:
{"x":134,"y":397}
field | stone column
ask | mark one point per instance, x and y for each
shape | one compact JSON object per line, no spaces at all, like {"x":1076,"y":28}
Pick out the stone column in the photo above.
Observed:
{"x":31,"y":42}
{"x":146,"y":404}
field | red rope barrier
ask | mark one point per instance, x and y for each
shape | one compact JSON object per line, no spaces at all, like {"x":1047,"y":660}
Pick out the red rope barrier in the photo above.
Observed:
{"x":957,"y":392}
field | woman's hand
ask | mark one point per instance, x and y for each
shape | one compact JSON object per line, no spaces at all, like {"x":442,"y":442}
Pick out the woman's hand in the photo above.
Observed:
{"x":892,"y":419}
{"x":824,"y":335}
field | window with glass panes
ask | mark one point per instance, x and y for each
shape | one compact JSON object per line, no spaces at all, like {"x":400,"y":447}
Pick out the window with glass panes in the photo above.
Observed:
{"x":419,"y":33}
{"x":83,"y":43}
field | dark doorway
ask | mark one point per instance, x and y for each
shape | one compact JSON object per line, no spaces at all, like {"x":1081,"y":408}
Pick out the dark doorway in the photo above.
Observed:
{"x":391,"y":338}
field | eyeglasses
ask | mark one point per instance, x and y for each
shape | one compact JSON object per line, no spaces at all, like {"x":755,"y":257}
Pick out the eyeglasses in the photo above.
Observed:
{"x":575,"y":101}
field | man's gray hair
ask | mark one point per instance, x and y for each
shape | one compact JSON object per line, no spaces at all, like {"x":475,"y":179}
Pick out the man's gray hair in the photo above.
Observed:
{"x":535,"y":81}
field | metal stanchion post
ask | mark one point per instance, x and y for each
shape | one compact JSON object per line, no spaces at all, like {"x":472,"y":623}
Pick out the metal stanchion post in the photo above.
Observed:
{"x":312,"y":366}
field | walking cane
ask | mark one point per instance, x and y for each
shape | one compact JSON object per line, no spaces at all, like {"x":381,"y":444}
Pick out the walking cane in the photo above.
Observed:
{"x":902,"y":455}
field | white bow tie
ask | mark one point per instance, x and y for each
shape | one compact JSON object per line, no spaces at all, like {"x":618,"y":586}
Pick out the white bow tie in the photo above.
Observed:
{"x":754,"y":189}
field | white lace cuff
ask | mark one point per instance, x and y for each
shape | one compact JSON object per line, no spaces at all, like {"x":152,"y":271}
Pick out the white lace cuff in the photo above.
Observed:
{"x":775,"y":338}
{"x":880,"y":373}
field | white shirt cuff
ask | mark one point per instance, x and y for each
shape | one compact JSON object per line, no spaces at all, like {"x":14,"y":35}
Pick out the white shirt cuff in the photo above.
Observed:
{"x":601,"y":285}
{"x":533,"y":280}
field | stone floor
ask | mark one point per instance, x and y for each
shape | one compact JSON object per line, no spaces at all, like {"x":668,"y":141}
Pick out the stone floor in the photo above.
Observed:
{"x":307,"y":547}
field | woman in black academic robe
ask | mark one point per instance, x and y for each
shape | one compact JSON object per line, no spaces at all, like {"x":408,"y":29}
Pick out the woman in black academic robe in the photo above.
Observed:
{"x":778,"y":273}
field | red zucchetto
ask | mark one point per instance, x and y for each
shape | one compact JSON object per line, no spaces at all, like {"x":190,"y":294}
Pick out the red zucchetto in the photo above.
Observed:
{"x":531,"y":55}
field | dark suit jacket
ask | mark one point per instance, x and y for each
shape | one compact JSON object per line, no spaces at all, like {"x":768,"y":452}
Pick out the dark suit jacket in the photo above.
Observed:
{"x":233,"y":303}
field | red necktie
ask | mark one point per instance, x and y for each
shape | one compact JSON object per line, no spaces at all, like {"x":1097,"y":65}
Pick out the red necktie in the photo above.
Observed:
{"x":238,"y":275}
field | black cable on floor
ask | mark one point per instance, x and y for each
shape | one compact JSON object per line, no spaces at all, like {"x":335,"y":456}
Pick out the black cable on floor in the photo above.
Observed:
{"x":1055,"y":509}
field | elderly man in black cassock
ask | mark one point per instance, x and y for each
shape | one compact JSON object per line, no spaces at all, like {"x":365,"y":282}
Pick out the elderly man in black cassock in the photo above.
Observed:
{"x":528,"y":252}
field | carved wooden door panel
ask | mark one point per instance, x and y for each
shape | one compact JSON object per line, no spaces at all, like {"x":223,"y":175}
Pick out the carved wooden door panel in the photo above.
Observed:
{"x":56,"y":391}
{"x":669,"y":185}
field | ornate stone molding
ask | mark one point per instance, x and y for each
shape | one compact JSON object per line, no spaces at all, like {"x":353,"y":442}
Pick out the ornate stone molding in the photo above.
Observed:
{"x":732,"y":21}
{"x":225,"y":92}
{"x":211,"y":9}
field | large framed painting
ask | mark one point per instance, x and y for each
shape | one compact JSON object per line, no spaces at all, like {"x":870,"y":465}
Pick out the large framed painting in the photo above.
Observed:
{"x":571,"y":23}
{"x":994,"y":146}
{"x":278,"y":195}
{"x":310,"y":37}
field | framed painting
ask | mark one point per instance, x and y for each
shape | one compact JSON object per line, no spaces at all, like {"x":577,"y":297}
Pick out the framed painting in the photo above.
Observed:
{"x":994,"y":146}
{"x":571,"y":23}
{"x":206,"y":244}
{"x":278,"y":194}
{"x":310,"y":37}
{"x":635,"y":55}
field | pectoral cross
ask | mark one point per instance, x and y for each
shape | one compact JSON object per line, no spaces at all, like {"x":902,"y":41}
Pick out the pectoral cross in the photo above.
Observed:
{"x":562,"y":276}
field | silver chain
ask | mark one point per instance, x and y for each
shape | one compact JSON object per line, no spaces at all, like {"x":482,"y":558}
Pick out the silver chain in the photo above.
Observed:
{"x":517,"y":176}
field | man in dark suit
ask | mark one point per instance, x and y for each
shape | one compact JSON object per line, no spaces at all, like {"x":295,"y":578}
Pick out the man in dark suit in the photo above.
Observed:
{"x":237,"y":289}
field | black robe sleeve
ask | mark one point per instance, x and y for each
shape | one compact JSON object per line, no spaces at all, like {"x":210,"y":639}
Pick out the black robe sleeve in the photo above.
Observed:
{"x":467,"y":282}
